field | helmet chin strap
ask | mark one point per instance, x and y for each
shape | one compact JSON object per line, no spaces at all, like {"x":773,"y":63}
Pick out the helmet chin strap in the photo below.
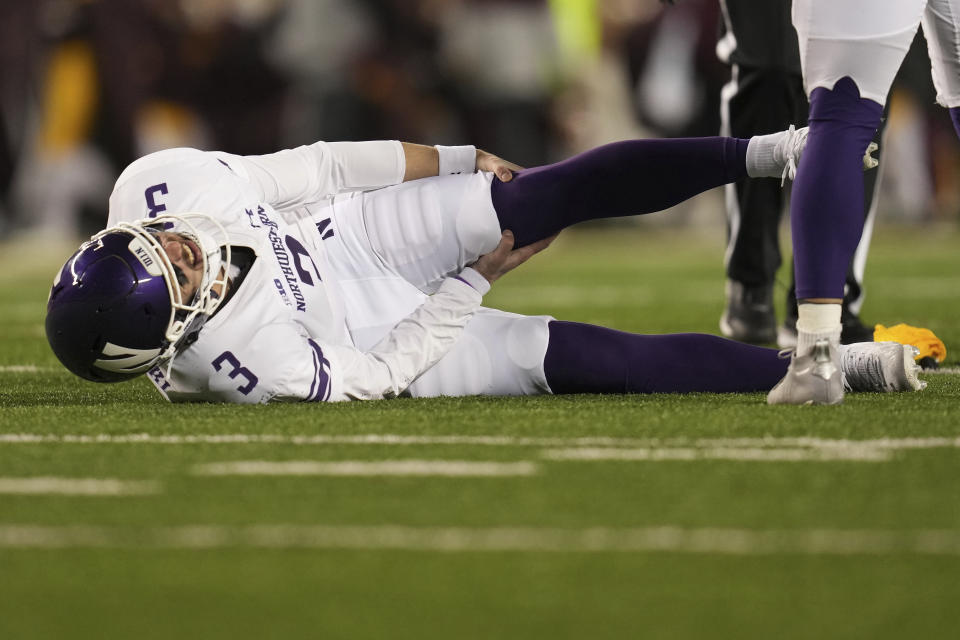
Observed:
{"x":214,"y":243}
{"x":169,"y":370}
{"x":190,"y":336}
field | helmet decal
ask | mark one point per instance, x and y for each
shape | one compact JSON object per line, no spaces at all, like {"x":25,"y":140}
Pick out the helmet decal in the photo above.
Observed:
{"x":126,"y":359}
{"x":142,"y":253}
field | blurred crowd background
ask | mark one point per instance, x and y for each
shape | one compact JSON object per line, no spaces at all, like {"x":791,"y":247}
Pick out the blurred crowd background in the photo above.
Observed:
{"x":87,"y":86}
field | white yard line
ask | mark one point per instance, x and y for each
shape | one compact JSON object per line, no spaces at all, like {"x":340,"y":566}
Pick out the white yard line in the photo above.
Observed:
{"x":367,"y":439}
{"x":738,"y":454}
{"x":949,"y":442}
{"x":49,"y":485}
{"x":934,"y":442}
{"x":670,"y":539}
{"x":941,"y":370}
{"x":451,"y":468}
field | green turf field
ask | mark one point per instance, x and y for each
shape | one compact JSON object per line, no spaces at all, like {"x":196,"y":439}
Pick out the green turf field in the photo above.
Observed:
{"x":554,"y":517}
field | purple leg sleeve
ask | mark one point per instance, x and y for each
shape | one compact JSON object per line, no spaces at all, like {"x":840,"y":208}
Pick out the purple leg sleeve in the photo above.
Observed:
{"x":619,"y":179}
{"x":827,"y":207}
{"x":955,"y":116}
{"x":583,"y":358}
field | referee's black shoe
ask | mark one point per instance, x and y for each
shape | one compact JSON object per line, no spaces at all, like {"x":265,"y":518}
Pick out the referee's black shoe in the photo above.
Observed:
{"x":749,"y":315}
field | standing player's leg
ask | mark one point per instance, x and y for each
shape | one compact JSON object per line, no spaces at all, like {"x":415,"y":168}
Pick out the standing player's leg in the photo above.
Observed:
{"x":852,"y":327}
{"x":941,"y":27}
{"x":850,"y":52}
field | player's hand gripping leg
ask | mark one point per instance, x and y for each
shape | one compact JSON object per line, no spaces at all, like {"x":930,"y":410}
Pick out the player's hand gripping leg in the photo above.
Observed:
{"x":505,"y":258}
{"x":503,"y":169}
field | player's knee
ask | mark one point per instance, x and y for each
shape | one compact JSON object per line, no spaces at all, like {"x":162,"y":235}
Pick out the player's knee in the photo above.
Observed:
{"x":842,"y":115}
{"x":843,"y":105}
{"x":527,"y":341}
{"x":478,"y":229}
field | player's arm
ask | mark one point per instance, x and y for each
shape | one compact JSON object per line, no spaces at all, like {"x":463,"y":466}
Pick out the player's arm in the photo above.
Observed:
{"x":423,"y":161}
{"x":283,"y":364}
{"x":294,"y":177}
{"x":415,"y":344}
{"x":422,"y":338}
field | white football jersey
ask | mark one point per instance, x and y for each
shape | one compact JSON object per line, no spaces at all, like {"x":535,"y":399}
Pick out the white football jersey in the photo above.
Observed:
{"x":282,"y":336}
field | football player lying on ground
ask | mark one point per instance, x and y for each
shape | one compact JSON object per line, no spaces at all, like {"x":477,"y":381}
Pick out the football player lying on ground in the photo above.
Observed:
{"x":296,"y":276}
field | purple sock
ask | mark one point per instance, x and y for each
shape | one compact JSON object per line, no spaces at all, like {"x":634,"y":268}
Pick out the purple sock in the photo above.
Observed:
{"x":827,"y":200}
{"x":583,"y":358}
{"x":619,"y":179}
{"x":955,"y":116}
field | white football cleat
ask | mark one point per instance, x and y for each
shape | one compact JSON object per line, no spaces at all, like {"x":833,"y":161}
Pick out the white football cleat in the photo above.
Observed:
{"x":880,"y":367}
{"x":814,"y":378}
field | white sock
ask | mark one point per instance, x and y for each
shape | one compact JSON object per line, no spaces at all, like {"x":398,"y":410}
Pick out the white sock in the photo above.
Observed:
{"x":817,"y":322}
{"x":761,"y":161}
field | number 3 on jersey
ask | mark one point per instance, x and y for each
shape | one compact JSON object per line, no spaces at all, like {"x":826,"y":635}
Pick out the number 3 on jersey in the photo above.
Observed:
{"x":150,"y":195}
{"x":236,"y":370}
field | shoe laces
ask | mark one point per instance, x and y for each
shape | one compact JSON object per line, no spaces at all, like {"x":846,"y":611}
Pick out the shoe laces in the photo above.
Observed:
{"x":792,"y":147}
{"x":865,"y":364}
{"x":863,"y":368}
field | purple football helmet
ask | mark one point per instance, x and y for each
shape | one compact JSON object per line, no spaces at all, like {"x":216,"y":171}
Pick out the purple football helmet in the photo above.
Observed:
{"x":116,"y":310}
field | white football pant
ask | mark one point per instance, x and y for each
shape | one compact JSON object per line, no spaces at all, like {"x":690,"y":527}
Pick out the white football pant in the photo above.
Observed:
{"x":868,"y":40}
{"x":392,"y":247}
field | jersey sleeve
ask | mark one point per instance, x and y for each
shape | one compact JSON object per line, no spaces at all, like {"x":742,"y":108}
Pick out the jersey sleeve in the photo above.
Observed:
{"x":294,"y":177}
{"x":415,"y":344}
{"x":330,"y":372}
{"x":177,"y":181}
{"x":217,"y":183}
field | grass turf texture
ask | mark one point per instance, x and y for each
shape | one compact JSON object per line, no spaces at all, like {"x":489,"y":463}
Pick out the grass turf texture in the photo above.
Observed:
{"x":130,"y":585}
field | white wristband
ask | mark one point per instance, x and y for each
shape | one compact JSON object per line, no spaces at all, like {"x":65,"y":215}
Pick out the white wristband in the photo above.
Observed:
{"x":474,"y":278}
{"x":461,"y":159}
